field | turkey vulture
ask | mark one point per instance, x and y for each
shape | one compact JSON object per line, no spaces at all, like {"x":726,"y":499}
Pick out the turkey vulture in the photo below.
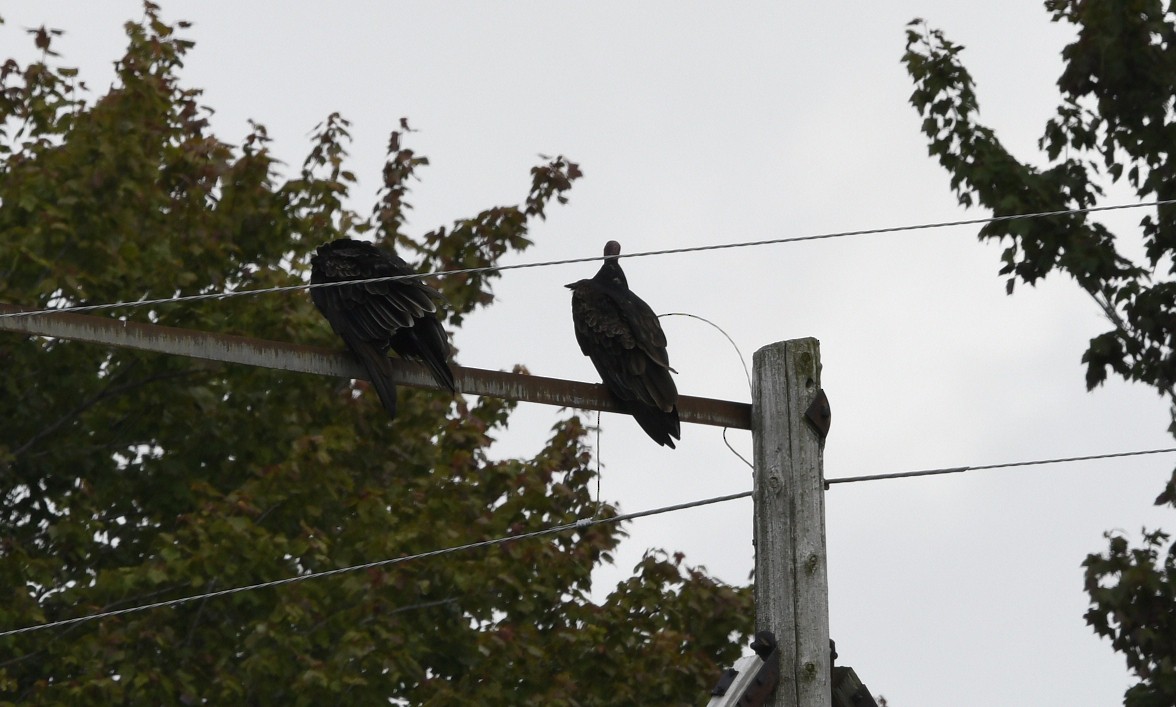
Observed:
{"x":397,"y":314}
{"x":622,"y":336}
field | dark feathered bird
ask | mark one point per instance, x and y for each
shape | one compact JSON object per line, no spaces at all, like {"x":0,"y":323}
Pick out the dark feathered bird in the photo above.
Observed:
{"x":622,"y":336}
{"x":372,"y":318}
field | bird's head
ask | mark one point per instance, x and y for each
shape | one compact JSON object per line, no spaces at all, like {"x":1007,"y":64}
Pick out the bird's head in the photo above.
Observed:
{"x":610,"y":272}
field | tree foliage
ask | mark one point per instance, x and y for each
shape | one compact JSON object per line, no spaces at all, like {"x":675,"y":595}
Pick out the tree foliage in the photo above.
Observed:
{"x":1115,"y":125}
{"x":129,"y":477}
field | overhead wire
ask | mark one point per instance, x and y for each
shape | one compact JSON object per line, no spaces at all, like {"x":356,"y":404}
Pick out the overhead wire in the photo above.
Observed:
{"x":742,"y":361}
{"x":961,"y":469}
{"x":568,"y":261}
{"x":577,"y":525}
{"x":738,"y":351}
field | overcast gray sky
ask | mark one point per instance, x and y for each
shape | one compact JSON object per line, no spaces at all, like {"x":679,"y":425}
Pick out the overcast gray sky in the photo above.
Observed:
{"x":699,"y":123}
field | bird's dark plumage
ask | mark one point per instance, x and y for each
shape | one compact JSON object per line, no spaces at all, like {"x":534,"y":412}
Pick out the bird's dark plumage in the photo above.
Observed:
{"x":622,"y":336}
{"x":372,"y":318}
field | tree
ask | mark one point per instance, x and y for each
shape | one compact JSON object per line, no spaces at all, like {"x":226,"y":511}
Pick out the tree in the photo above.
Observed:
{"x":129,"y":477}
{"x":1115,"y":124}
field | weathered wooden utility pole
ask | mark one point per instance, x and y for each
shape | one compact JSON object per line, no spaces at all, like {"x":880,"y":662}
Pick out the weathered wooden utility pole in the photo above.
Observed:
{"x":790,"y":417}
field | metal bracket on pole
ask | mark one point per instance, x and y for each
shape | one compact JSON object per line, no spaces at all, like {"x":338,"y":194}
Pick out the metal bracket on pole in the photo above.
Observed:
{"x":751,"y":682}
{"x":819,"y":414}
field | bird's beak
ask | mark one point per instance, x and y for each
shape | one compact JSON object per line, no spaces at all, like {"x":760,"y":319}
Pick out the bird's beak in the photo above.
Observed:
{"x":570,"y":286}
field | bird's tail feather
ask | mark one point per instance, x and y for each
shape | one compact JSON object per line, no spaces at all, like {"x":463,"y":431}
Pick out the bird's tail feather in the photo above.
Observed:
{"x":662,"y":427}
{"x":379,"y":370}
{"x":441,"y":373}
{"x":428,"y":345}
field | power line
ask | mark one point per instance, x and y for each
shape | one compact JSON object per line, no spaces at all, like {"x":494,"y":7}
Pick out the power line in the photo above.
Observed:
{"x":742,"y":362}
{"x":960,"y":469}
{"x":570,"y":261}
{"x":578,"y":525}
